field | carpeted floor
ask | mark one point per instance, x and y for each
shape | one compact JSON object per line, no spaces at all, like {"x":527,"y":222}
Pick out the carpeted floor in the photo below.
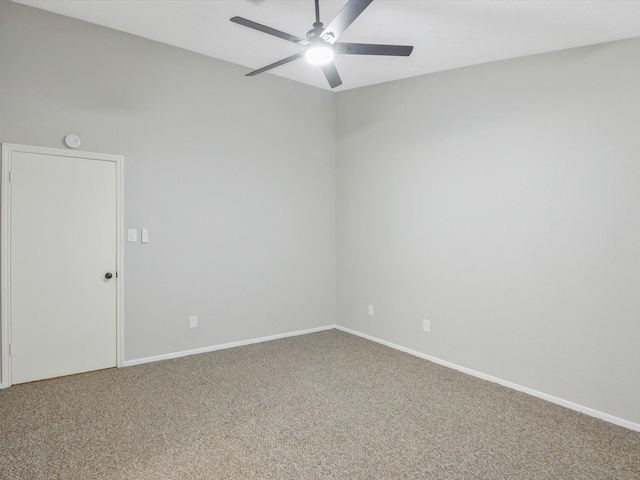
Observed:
{"x":327,"y":405}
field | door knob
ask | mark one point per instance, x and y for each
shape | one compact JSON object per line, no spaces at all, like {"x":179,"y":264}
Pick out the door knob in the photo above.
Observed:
{"x":108,"y":275}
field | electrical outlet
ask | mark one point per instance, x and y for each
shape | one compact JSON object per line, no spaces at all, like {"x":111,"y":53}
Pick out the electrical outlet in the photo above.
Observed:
{"x":193,"y":321}
{"x":426,"y":325}
{"x":371,"y":310}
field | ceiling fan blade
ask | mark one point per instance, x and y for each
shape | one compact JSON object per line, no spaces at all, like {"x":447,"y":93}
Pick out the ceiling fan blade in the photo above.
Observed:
{"x":269,"y":31}
{"x":331,"y":72}
{"x":373,"y":49}
{"x":345,"y":17}
{"x":277,"y":64}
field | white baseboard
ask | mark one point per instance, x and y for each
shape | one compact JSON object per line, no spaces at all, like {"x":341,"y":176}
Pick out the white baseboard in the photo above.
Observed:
{"x":550,"y":398}
{"x":213,"y":348}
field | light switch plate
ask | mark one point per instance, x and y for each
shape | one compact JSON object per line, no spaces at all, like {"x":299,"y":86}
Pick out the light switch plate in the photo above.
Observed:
{"x":132,"y":235}
{"x":145,"y":235}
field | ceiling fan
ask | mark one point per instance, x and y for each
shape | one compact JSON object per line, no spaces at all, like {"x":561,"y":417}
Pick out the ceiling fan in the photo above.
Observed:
{"x":321,"y":45}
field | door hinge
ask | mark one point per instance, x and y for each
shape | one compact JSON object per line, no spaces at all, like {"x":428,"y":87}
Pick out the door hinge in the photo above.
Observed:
{"x":9,"y":349}
{"x":9,"y":176}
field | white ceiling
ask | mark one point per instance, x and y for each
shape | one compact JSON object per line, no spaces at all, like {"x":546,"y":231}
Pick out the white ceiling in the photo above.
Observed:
{"x":446,"y":34}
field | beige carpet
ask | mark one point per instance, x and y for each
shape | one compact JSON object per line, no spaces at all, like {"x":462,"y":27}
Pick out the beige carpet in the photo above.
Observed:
{"x":327,"y":405}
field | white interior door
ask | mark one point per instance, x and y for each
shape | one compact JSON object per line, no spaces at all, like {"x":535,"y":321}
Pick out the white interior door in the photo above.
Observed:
{"x":63,"y":234}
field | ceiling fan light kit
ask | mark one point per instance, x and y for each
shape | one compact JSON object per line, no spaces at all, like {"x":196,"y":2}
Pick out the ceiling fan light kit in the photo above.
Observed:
{"x":319,"y":54}
{"x":321,"y":45}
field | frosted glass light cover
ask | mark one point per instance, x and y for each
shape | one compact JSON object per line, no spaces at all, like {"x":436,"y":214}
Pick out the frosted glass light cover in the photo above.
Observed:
{"x":320,"y":55}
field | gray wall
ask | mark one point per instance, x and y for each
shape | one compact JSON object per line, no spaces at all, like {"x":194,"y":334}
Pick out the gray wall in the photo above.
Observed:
{"x":502,"y":202}
{"x":233,"y":176}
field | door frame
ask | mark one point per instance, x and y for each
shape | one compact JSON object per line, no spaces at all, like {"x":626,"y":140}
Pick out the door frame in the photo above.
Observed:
{"x":8,"y":149}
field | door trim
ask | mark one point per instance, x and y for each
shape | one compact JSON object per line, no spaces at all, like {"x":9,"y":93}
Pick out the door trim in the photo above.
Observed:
{"x":8,"y":149}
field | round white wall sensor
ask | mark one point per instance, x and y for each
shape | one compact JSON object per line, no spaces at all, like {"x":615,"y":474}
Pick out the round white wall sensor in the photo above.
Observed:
{"x":72,"y":141}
